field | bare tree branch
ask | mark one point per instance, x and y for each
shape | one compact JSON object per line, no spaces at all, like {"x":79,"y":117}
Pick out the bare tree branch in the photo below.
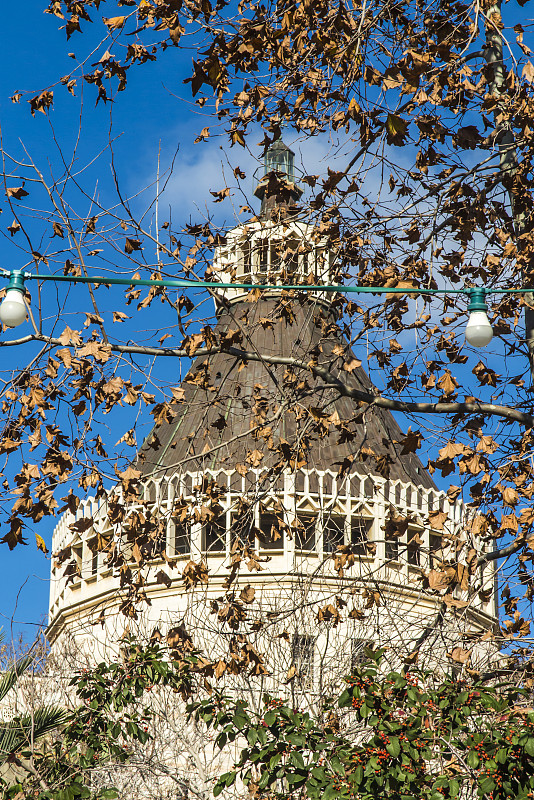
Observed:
{"x":408,"y":407}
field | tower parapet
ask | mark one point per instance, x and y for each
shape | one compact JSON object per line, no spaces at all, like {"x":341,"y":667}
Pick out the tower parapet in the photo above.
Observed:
{"x":279,"y":253}
{"x":316,"y":513}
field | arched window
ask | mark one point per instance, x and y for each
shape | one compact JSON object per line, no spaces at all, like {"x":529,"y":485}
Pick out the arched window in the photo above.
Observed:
{"x":333,"y":533}
{"x":414,"y":547}
{"x":359,"y":535}
{"x":302,"y":652}
{"x":214,"y":536}
{"x":77,"y":555}
{"x":181,"y":539}
{"x":269,"y":535}
{"x":305,"y":532}
{"x":244,"y":264}
{"x":261,"y":259}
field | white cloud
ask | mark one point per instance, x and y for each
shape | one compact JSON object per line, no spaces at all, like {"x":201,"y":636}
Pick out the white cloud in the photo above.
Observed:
{"x":208,"y":166}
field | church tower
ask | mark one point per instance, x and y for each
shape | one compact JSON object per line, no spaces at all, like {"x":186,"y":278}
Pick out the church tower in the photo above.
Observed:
{"x":291,"y":521}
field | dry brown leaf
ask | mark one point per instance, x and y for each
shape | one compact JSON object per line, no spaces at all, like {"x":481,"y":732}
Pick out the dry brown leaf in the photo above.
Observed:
{"x":411,"y":442}
{"x":453,"y":602}
{"x":70,"y":337}
{"x":509,"y":522}
{"x":131,"y":245}
{"x":98,"y":350}
{"x":452,"y":449}
{"x":162,"y":577}
{"x":438,"y":580}
{"x":18,"y":192}
{"x":220,"y":669}
{"x":510,"y":496}
{"x":447,"y":383}
{"x":292,"y":671}
{"x":246,"y":595}
{"x":459,"y":655}
{"x":114,"y":23}
{"x":254,"y":458}
{"x":350,"y":366}
{"x":437,"y":519}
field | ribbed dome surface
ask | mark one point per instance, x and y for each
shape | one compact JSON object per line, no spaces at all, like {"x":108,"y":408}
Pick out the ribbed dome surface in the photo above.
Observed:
{"x":259,"y":414}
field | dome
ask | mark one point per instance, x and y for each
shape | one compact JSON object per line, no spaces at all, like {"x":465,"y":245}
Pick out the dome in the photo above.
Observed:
{"x":232,"y":407}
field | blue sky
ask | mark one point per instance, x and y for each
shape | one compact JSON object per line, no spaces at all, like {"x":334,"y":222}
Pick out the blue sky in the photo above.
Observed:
{"x":149,"y":121}
{"x":34,"y":55}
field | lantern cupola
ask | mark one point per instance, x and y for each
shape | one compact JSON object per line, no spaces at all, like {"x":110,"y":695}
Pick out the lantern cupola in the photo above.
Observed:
{"x":277,"y":188}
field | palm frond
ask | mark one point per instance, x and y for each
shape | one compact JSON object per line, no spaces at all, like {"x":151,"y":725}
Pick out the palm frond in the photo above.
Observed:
{"x":44,"y":720}
{"x":24,"y":730}
{"x":10,"y":677}
{"x":20,"y":731}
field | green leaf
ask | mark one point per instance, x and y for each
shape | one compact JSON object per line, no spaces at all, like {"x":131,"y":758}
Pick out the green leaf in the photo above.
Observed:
{"x":109,"y":794}
{"x":297,"y":739}
{"x":264,"y":780}
{"x":262,"y":735}
{"x":487,"y":785}
{"x":252,"y":736}
{"x":336,"y":765}
{"x":330,"y":793}
{"x":275,"y":760}
{"x":228,"y":778}
{"x":345,"y":699}
{"x":295,"y":779}
{"x":318,"y":773}
{"x":240,"y":721}
{"x":472,"y":759}
{"x":529,"y":747}
{"x":296,"y":759}
{"x":394,"y":747}
{"x":357,"y":775}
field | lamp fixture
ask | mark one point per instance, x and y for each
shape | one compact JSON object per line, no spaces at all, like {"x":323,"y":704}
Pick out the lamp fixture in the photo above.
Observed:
{"x":478,"y":331}
{"x":13,"y":308}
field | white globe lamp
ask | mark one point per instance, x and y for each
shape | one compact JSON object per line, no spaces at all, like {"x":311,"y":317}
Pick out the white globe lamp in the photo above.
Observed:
{"x":478,"y":331}
{"x":13,"y":308}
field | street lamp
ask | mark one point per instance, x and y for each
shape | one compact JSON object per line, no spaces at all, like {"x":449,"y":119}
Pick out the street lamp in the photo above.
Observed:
{"x":478,"y":331}
{"x":13,"y":309}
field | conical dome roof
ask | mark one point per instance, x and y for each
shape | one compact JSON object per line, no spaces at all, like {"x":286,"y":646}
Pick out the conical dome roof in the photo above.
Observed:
{"x":278,"y":415}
